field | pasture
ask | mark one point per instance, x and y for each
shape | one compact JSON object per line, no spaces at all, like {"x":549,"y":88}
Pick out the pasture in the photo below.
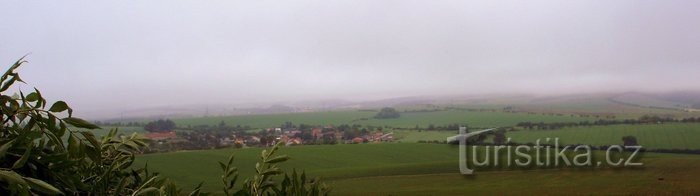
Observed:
{"x":411,"y":168}
{"x":652,"y":136}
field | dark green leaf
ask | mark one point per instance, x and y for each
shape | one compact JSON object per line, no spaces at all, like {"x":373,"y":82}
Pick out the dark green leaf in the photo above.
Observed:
{"x":32,"y":97}
{"x":278,"y":159}
{"x":19,"y":163}
{"x":146,"y":191}
{"x":77,"y":122}
{"x":59,"y":106}
{"x":42,"y":187}
{"x":4,"y":147}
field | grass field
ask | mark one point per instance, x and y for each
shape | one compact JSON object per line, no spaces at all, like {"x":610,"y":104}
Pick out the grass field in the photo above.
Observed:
{"x":415,"y":136}
{"x":679,"y":178}
{"x":411,"y":168}
{"x":668,"y":136}
{"x":407,"y":120}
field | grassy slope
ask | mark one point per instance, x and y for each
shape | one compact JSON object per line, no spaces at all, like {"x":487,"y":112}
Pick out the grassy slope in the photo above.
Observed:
{"x":679,"y":174}
{"x":431,"y":169}
{"x":339,"y":161}
{"x":415,"y":136}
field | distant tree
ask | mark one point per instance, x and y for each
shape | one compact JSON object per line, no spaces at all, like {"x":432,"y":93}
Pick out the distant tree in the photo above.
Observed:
{"x":387,"y":113}
{"x":499,"y":137}
{"x":629,"y":141}
{"x":431,"y":127}
{"x":160,"y":126}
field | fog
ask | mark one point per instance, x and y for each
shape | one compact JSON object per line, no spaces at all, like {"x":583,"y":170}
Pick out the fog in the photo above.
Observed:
{"x":129,"y":54}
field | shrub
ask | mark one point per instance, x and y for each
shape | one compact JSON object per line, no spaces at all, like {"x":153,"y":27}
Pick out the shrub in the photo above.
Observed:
{"x":43,"y":153}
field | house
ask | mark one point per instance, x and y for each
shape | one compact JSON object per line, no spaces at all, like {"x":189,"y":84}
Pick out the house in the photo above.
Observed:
{"x":294,"y":141}
{"x":293,"y":133}
{"x":252,"y":140}
{"x":161,"y":135}
{"x":387,"y":137}
{"x":358,"y":140}
{"x":316,"y":133}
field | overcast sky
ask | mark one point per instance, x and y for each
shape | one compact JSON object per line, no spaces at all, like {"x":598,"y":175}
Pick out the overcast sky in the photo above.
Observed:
{"x":125,"y":54}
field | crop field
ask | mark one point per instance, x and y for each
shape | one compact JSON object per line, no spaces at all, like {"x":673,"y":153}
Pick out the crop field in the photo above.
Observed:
{"x":660,"y":176}
{"x":415,"y":136}
{"x":667,"y":136}
{"x":411,"y":168}
{"x":602,"y":105}
{"x":407,"y":120}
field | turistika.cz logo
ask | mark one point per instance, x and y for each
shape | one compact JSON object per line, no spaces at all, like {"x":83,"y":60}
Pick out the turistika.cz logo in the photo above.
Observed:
{"x":544,"y":155}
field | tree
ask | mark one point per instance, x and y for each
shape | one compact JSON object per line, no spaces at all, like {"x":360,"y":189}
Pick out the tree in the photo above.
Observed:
{"x":629,"y":141}
{"x":43,"y":153}
{"x":162,"y":126}
{"x":499,"y":137}
{"x":386,"y":113}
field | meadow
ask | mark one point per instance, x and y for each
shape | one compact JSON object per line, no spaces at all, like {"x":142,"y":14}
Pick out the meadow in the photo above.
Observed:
{"x":406,"y":167}
{"x":428,"y":169}
{"x":415,"y":135}
{"x":652,"y":136}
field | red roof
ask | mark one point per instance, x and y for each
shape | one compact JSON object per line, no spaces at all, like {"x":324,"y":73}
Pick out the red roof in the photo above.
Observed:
{"x":161,"y":135}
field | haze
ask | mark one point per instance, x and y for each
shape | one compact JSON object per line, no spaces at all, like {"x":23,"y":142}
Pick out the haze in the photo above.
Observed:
{"x":130,"y":54}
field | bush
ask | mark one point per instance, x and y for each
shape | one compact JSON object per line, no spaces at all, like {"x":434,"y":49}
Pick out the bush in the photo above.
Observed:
{"x":387,"y":113}
{"x":37,"y":160}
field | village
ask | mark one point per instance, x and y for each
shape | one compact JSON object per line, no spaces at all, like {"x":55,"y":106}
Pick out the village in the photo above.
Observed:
{"x":166,"y":137}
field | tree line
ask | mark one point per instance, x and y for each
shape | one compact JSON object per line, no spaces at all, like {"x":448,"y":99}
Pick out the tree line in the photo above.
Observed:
{"x":646,"y":119}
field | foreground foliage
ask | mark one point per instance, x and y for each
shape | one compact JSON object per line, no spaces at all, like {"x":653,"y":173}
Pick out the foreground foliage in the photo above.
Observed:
{"x":43,"y":153}
{"x":262,"y":184}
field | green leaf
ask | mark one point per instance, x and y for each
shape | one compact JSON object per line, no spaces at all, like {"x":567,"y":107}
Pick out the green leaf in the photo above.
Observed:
{"x":223,"y":167}
{"x":32,"y":97}
{"x":197,"y":190}
{"x":40,"y":102}
{"x":272,"y":171}
{"x":73,"y":145}
{"x":59,"y":106}
{"x":11,"y":178}
{"x":148,"y":190}
{"x":19,"y":163}
{"x":278,"y":159}
{"x":42,"y":186}
{"x":5,"y":147}
{"x":80,"y":123}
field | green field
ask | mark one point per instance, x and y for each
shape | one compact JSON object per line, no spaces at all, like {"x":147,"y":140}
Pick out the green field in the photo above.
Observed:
{"x":653,"y":136}
{"x":407,"y":120}
{"x":679,"y":175}
{"x":406,"y":167}
{"x":411,"y":168}
{"x":415,"y":136}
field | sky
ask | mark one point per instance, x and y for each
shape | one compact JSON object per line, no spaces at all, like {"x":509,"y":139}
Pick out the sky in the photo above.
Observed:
{"x":128,"y":54}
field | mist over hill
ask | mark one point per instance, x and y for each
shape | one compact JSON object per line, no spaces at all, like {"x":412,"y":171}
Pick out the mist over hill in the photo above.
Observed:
{"x":673,"y":100}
